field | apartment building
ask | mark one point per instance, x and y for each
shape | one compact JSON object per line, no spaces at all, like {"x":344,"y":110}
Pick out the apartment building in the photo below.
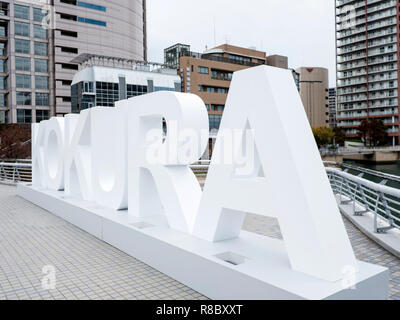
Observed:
{"x":314,"y":84}
{"x":332,"y":108}
{"x":209,"y":74}
{"x":367,"y":35}
{"x":39,"y":41}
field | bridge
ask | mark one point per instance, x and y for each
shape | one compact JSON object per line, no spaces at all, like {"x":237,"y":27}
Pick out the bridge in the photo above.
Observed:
{"x":376,"y":155}
{"x":86,"y":268}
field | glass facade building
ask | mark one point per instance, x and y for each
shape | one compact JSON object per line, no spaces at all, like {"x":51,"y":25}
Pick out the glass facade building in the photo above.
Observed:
{"x":40,"y":41}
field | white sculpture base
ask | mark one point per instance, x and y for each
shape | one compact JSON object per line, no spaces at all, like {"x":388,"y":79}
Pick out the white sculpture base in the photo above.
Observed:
{"x":258,"y":269}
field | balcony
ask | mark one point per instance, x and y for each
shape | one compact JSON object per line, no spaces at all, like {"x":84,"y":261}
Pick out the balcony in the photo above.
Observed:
{"x":218,"y":59}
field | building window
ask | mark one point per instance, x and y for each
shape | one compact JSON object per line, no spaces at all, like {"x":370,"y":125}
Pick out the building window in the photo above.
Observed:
{"x":39,"y":14}
{"x":3,"y":49}
{"x":41,"y":49}
{"x":91,"y":6}
{"x":66,"y":16}
{"x":39,"y":31}
{"x":135,"y":90}
{"x":24,"y":99}
{"x":23,"y":81}
{"x":42,"y":115}
{"x":3,"y":83}
{"x":22,"y":64}
{"x":215,"y":121}
{"x":42,"y":99}
{"x":24,"y":116}
{"x":21,"y":12}
{"x":41,"y":65}
{"x":22,"y":46}
{"x":41,"y":82}
{"x":107,"y":93}
{"x":163,"y":89}
{"x":67,"y":33}
{"x":221,"y":75}
{"x":3,"y":100}
{"x":22,"y":29}
{"x":69,"y":66}
{"x":3,"y":66}
{"x":69,"y":50}
{"x":202,"y":70}
{"x":88,"y":87}
{"x":92,"y":21}
{"x":3,"y":30}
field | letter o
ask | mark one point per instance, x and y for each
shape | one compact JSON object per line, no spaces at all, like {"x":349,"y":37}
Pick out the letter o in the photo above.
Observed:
{"x":54,"y":154}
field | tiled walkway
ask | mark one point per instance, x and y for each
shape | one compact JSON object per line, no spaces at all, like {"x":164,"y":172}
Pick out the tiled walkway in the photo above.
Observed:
{"x":87,"y":268}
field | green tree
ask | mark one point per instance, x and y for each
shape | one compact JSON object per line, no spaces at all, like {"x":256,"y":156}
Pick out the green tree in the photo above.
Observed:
{"x":323,"y":136}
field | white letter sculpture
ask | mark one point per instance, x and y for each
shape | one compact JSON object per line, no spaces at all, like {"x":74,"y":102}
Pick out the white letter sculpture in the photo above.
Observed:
{"x":295,"y":187}
{"x":119,"y":158}
{"x":160,"y":179}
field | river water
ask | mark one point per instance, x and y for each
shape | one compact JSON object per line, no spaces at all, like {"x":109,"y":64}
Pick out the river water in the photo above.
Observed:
{"x":393,"y":168}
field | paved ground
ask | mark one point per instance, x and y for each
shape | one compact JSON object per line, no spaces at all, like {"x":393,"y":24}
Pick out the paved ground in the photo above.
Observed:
{"x":87,"y":268}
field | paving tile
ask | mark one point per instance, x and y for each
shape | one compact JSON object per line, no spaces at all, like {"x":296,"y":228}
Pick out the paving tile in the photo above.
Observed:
{"x":87,"y":268}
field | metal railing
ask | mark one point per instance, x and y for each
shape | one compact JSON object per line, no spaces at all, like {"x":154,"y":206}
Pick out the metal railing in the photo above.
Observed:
{"x":379,"y":199}
{"x":12,"y":172}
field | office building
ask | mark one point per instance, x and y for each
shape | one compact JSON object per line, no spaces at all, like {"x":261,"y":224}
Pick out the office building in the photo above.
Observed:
{"x":99,"y":85}
{"x":37,"y":59}
{"x":209,"y":74}
{"x":367,"y":35}
{"x":314,"y":84}
{"x":332,"y":108}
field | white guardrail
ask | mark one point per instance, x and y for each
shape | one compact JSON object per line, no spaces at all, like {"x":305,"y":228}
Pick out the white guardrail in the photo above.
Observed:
{"x":379,"y":199}
{"x":12,"y":172}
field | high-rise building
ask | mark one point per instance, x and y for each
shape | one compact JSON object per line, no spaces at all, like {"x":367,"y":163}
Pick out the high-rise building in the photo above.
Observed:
{"x":209,"y":74}
{"x":367,"y":35}
{"x":332,"y":108}
{"x":39,"y":44}
{"x":314,"y":85}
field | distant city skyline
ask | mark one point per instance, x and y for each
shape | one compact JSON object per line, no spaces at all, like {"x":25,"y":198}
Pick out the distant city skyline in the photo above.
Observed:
{"x":303,"y":30}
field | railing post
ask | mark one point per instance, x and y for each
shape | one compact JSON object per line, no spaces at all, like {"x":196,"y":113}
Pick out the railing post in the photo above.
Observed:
{"x":376,"y":213}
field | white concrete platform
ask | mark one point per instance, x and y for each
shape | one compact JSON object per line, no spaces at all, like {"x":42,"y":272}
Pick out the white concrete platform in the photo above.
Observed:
{"x":365,"y":223}
{"x":258,"y":269}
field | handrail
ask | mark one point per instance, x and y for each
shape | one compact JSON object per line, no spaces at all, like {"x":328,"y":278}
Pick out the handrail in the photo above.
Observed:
{"x":382,"y":201}
{"x":14,"y":172}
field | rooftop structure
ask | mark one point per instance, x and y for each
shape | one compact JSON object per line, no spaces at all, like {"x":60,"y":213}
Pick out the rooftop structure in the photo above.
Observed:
{"x":100,"y":86}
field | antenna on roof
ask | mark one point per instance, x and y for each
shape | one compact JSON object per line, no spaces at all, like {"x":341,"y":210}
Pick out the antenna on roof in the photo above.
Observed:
{"x":215,"y":33}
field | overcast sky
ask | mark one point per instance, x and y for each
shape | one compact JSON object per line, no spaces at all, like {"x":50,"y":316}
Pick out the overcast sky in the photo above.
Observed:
{"x":303,"y":30}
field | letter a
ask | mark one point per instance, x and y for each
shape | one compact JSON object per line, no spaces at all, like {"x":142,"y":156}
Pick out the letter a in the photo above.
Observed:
{"x":294,"y":186}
